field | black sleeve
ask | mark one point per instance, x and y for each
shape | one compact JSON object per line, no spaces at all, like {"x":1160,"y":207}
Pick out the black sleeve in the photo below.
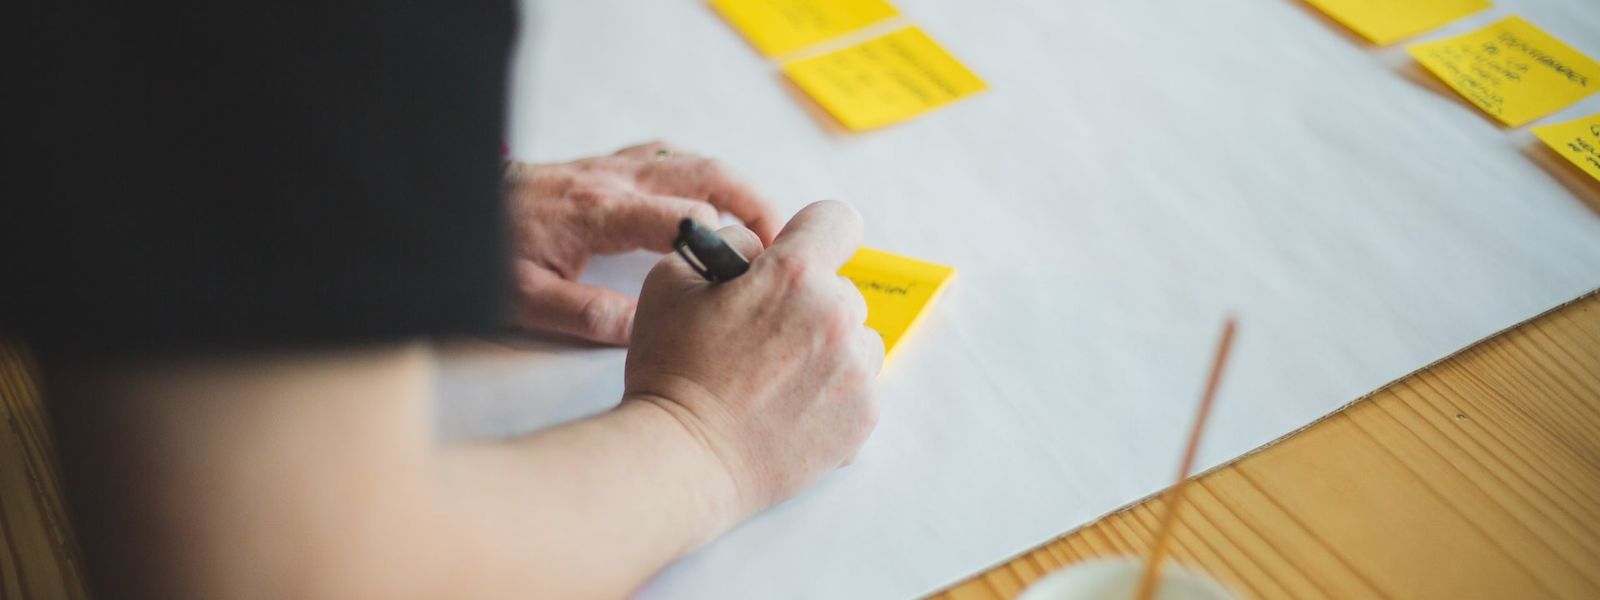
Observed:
{"x":227,"y":176}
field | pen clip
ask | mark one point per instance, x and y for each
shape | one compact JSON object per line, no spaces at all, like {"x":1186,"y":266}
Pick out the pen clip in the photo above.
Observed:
{"x":682,"y":248}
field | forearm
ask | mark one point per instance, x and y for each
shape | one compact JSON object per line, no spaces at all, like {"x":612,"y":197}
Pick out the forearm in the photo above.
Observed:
{"x":589,"y":509}
{"x":319,"y":478}
{"x":300,"y":476}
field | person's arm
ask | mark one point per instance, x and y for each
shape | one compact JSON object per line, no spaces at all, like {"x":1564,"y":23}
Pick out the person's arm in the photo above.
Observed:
{"x":318,"y":475}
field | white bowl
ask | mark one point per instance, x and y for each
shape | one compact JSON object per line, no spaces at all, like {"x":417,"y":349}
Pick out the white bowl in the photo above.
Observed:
{"x":1118,"y":578}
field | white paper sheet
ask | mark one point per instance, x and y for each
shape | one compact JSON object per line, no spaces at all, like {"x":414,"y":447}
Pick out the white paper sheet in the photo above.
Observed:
{"x":1138,"y":168}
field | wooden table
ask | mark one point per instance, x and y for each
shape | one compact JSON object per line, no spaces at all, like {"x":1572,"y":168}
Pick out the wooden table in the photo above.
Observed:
{"x":1478,"y":477}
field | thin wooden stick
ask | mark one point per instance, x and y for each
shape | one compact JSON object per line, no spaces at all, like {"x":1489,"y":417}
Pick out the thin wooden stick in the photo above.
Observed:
{"x":1148,"y":581}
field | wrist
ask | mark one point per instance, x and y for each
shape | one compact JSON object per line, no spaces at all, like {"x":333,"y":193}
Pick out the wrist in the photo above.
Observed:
{"x":715,"y":497}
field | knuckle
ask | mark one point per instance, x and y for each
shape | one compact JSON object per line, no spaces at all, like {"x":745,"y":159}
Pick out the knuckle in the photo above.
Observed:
{"x":792,"y":270}
{"x":710,"y":167}
{"x":867,"y":419}
{"x":591,"y":196}
{"x":702,"y":212}
{"x":599,"y":315}
{"x":589,"y":165}
{"x":855,"y":302}
{"x":875,"y":348}
{"x":702,"y":174}
{"x":861,"y":374}
{"x":838,"y":329}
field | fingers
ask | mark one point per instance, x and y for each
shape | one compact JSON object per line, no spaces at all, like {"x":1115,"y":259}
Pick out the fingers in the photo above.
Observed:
{"x":856,"y":301}
{"x":872,"y":346}
{"x":738,"y":199}
{"x":672,"y":268}
{"x":743,"y":240}
{"x":647,"y":149}
{"x":824,"y":234}
{"x":651,"y":222}
{"x":594,"y":313}
{"x":678,"y":173}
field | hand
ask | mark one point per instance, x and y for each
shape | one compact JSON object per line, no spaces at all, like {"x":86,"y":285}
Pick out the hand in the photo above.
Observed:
{"x":772,"y":371}
{"x":563,"y":214}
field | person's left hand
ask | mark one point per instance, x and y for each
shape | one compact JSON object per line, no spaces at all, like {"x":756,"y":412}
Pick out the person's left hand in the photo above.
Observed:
{"x":564,"y":214}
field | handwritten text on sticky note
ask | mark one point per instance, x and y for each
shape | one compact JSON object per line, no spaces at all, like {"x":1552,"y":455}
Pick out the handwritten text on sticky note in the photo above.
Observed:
{"x":884,"y":80}
{"x":1577,"y":141}
{"x":1389,"y":21}
{"x":777,"y":27}
{"x":898,"y":290}
{"x":1511,"y":70}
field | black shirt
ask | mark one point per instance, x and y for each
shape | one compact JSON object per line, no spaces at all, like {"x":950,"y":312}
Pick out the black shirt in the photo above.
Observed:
{"x":219,"y":176}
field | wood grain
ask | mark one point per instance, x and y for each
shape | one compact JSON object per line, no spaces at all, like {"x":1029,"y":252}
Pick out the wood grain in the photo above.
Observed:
{"x":38,"y":558}
{"x":1478,"y":477}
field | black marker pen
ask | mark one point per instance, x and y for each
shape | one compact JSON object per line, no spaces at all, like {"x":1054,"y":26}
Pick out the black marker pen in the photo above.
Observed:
{"x":707,"y":253}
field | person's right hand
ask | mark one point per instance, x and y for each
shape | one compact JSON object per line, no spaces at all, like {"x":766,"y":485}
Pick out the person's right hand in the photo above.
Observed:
{"x":772,"y":371}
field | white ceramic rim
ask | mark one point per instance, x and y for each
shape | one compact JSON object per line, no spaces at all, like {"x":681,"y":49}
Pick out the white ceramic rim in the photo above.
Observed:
{"x":1052,"y":586}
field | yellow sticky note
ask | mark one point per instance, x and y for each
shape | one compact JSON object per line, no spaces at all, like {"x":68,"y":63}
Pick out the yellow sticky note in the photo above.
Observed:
{"x":1511,"y":70}
{"x":1389,"y":21}
{"x":1578,"y":141}
{"x":898,"y":291}
{"x":884,"y":80}
{"x":777,"y":27}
